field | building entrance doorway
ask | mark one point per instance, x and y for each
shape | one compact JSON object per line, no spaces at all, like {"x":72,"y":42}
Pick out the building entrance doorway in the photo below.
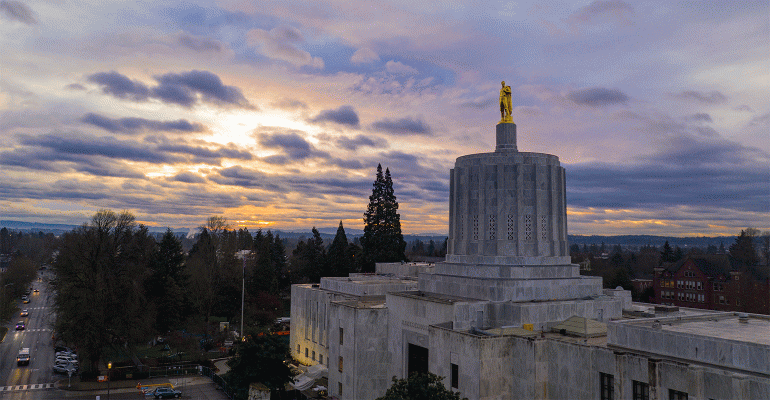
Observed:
{"x":418,"y":359}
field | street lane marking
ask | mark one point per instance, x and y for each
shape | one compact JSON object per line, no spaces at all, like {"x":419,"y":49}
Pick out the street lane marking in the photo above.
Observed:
{"x":17,"y":388}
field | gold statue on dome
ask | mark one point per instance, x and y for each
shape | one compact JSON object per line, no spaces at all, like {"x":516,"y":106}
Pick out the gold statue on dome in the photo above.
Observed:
{"x":505,"y":105}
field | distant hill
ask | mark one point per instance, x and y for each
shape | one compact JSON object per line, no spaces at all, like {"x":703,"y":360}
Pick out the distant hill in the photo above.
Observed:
{"x":329,"y":232}
{"x":657,"y":241}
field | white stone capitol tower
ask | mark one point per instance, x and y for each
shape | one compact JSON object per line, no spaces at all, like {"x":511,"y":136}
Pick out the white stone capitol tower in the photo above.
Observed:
{"x":508,"y":240}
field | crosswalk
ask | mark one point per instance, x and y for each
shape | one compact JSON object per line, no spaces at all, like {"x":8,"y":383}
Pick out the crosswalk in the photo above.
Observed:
{"x":34,"y":330}
{"x":37,"y":386}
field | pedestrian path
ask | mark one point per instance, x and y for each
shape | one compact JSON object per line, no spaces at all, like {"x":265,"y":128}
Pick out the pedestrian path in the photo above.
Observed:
{"x":17,"y":388}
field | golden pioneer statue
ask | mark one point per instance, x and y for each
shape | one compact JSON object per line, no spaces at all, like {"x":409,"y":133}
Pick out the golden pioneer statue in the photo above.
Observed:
{"x":505,"y":104}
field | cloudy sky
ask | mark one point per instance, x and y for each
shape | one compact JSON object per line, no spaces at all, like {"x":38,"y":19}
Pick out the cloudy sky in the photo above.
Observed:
{"x":275,"y":114}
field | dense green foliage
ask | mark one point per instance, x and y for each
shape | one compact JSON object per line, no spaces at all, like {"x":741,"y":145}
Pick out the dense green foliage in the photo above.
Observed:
{"x":98,"y":269}
{"x":382,"y":240}
{"x":259,"y":359}
{"x":419,"y":386}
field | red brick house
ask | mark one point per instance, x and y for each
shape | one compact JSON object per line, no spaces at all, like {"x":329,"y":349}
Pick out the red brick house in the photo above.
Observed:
{"x":710,"y":282}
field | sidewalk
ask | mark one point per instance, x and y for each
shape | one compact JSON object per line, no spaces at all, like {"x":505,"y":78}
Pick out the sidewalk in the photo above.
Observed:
{"x":221,"y":365}
{"x":129,"y":386}
{"x":194,"y":387}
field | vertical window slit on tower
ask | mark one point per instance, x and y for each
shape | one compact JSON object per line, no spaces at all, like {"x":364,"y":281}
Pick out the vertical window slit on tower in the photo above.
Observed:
{"x":492,"y":227}
{"x":528,"y":227}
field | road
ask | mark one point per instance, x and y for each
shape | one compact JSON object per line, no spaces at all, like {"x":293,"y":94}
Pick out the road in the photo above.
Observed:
{"x":22,"y":382}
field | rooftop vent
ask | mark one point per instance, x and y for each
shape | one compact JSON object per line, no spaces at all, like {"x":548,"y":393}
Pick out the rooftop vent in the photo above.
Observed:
{"x":743,"y":318}
{"x":665,"y":308}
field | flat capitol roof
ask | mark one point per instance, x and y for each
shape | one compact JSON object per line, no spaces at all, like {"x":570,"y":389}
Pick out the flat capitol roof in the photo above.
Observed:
{"x":757,"y":330}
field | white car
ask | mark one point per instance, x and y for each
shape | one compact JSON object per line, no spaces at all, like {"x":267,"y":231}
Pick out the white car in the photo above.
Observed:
{"x":62,"y":368}
{"x":66,"y":359}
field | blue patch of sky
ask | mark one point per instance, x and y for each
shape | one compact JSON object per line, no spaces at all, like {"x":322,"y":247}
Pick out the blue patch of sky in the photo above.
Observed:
{"x":226,"y":26}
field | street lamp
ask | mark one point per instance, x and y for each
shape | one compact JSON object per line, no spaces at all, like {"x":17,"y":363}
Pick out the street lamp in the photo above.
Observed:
{"x":109,"y":378}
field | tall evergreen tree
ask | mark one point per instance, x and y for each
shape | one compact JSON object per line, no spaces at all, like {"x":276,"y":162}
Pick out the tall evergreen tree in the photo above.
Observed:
{"x":742,"y":252}
{"x":338,"y":259}
{"x":382,"y":240}
{"x":166,"y":285}
{"x":667,"y":255}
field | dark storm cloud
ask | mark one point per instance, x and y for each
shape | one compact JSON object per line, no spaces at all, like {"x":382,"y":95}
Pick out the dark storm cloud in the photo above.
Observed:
{"x":183,"y":89}
{"x":69,"y":189}
{"x":598,"y":97}
{"x":713,"y":97}
{"x":17,"y":11}
{"x":109,"y":168}
{"x":120,"y":85}
{"x":130,"y":125}
{"x":360,"y":141}
{"x":85,"y":145}
{"x":188,"y":177}
{"x":41,"y":160}
{"x":292,"y":144}
{"x":205,"y":153}
{"x":403,"y":126}
{"x":52,"y":161}
{"x":653,"y":186}
{"x":203,"y":82}
{"x":689,"y":171}
{"x":691,"y":150}
{"x":245,"y":177}
{"x":344,"y":115}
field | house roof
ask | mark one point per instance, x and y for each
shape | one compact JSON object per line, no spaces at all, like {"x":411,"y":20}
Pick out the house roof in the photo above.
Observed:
{"x":713,"y":265}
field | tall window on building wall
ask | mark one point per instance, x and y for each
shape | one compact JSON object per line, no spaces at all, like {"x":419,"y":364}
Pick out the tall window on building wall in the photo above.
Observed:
{"x":455,"y":379}
{"x":339,"y":367}
{"x":607,"y":387}
{"x":676,"y":395}
{"x":342,"y":335}
{"x":641,"y":391}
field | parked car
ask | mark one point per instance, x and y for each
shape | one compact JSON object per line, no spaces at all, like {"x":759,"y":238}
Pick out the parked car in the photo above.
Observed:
{"x":166,"y":393}
{"x":25,"y":299}
{"x":20,"y":326}
{"x":67,"y":353}
{"x":67,"y":359}
{"x":64,"y":368}
{"x":67,"y":356}
{"x":24,"y":313}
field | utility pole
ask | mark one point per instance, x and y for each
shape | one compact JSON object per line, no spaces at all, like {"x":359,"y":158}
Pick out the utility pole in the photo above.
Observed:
{"x":243,"y":291}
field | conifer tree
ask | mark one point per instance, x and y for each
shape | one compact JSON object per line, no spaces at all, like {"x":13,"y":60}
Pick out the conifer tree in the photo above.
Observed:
{"x":667,"y":255}
{"x":382,"y":240}
{"x":338,"y":258}
{"x":742,"y":252}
